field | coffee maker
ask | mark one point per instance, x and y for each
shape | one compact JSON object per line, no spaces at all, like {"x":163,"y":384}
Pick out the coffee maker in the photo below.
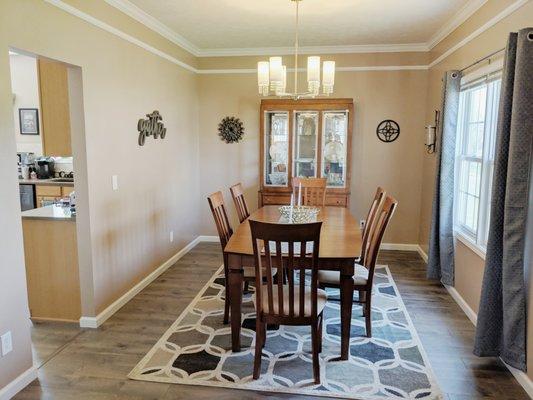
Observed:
{"x":45,"y":168}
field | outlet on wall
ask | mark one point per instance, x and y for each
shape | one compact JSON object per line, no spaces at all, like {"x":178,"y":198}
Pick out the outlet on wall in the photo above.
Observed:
{"x":171,"y":236}
{"x":362,"y":223}
{"x":7,"y":343}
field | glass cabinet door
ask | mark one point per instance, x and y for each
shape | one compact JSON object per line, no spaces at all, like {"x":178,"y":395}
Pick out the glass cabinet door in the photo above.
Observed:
{"x":276,"y":148}
{"x":334,"y":143}
{"x":305,"y":143}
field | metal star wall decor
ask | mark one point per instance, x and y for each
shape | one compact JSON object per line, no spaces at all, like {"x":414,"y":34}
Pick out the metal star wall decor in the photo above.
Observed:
{"x":388,"y":131}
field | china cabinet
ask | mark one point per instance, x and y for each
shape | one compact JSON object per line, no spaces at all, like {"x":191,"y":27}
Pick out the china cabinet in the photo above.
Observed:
{"x":305,"y":138}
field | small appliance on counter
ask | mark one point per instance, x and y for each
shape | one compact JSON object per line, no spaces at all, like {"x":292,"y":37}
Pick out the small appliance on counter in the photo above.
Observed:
{"x":25,"y":164}
{"x":45,"y":167}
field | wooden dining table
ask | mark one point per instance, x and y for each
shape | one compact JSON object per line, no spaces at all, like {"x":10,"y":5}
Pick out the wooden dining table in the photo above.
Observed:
{"x":340,"y":246}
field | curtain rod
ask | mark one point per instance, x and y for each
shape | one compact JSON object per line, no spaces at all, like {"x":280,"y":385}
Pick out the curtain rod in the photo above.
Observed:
{"x":482,"y":59}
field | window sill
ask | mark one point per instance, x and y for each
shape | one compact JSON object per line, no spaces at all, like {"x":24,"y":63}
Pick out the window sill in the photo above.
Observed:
{"x":476,"y":248}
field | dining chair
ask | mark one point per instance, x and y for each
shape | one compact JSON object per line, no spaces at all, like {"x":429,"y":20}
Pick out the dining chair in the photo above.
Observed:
{"x":313,"y":191}
{"x":364,"y":273}
{"x":370,"y":218}
{"x":285,"y":247}
{"x":237,"y":193}
{"x":218,"y":209}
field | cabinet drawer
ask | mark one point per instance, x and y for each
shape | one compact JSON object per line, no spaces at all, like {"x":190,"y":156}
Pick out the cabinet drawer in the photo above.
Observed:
{"x":273,"y":199}
{"x":66,"y":190}
{"x":53,"y":191}
{"x":339,"y":201}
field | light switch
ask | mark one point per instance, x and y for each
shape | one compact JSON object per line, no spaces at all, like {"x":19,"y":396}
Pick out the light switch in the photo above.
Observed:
{"x":7,"y":343}
{"x":114,"y":179}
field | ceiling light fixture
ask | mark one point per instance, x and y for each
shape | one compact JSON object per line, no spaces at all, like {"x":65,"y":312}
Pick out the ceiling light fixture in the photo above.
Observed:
{"x":272,"y":74}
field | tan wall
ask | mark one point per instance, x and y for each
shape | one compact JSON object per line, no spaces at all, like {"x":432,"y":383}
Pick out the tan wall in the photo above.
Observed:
{"x":158,"y":183}
{"x":398,"y":95}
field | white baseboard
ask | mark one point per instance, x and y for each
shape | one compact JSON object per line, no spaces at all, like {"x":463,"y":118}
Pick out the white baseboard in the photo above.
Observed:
{"x":19,"y":383}
{"x":207,"y":238}
{"x":399,"y":246}
{"x":471,"y":314}
{"x":95,"y":322}
{"x":422,"y":253}
{"x":521,"y":377}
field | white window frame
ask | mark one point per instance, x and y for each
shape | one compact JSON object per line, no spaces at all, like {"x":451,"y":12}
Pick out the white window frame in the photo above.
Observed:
{"x":477,"y":241}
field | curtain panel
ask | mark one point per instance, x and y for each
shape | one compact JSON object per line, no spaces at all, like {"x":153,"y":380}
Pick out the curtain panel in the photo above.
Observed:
{"x":441,"y":246}
{"x":501,"y":327}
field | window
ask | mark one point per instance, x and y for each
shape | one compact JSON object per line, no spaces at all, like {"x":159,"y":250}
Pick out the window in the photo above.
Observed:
{"x":476,"y":128}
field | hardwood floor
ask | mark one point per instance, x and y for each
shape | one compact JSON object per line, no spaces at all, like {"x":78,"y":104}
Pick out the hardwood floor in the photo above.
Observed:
{"x":93,"y":364}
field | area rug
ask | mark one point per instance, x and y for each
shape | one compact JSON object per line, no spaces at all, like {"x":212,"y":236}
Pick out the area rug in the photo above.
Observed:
{"x":196,"y":350}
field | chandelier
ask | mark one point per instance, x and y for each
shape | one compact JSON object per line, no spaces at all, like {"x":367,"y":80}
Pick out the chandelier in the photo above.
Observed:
{"x":272,"y":74}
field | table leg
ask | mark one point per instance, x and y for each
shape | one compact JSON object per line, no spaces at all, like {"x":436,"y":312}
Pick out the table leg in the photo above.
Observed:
{"x":235,"y":287}
{"x":346,"y":283}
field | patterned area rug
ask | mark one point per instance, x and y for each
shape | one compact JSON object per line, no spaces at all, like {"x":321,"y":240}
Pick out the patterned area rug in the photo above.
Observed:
{"x":196,"y":350}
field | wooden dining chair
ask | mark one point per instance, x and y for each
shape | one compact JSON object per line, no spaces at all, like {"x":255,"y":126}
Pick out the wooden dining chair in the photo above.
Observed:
{"x":313,"y":191}
{"x":364,"y":273}
{"x":370,"y":218}
{"x":285,"y":247}
{"x":218,"y":209}
{"x":237,"y":193}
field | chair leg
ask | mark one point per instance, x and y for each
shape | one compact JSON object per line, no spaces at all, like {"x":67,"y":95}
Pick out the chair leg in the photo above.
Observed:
{"x":315,"y":344}
{"x":362,"y":298}
{"x":264,"y":335}
{"x":368,"y":317}
{"x":259,"y":343}
{"x":320,"y":333}
{"x":226,"y":307}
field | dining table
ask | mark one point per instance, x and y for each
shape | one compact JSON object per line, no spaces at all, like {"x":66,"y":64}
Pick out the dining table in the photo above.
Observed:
{"x":340,"y":246}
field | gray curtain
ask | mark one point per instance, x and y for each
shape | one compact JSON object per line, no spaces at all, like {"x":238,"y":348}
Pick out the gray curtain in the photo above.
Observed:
{"x":440,"y":257}
{"x":501,"y":328}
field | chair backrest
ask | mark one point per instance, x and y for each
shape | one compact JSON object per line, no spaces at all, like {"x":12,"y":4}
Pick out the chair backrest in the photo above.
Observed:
{"x":376,"y":235}
{"x":313,"y":191}
{"x":216,"y":203}
{"x":287,"y":248}
{"x":237,"y":193}
{"x":370,"y":218}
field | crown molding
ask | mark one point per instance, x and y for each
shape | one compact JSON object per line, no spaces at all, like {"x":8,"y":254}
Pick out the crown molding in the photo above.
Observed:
{"x":455,"y":21}
{"x":117,"y":32}
{"x":283,"y":51}
{"x":487,"y":25}
{"x":338,"y":69}
{"x":154,"y":24}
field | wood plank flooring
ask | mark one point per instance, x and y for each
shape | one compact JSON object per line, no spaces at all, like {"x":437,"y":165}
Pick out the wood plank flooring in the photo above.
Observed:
{"x":93,"y":364}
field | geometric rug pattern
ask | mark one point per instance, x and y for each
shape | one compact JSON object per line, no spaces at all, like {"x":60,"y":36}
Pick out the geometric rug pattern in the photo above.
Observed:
{"x":196,"y":350}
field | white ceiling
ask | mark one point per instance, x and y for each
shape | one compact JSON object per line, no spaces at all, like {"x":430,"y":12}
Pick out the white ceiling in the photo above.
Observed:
{"x":215,"y":26}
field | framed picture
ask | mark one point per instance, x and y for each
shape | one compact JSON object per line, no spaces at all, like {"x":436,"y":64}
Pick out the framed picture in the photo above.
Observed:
{"x":29,"y":121}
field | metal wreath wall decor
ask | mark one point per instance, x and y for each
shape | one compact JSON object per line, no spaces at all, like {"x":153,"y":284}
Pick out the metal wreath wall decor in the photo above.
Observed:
{"x":388,"y":131}
{"x":151,"y":126}
{"x":231,"y":129}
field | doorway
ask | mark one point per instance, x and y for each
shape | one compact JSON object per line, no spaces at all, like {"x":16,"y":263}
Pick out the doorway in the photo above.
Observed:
{"x":49,"y":127}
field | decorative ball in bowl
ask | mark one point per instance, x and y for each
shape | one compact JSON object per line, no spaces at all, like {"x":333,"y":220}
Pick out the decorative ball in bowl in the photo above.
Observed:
{"x":299,"y":214}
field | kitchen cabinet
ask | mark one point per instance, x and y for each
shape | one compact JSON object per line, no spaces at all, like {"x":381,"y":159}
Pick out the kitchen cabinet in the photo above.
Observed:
{"x":55,"y":110}
{"x":305,"y":138}
{"x":52,"y":272}
{"x":45,"y":194}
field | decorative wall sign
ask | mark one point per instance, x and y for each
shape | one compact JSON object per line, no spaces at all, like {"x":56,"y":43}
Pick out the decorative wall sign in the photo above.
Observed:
{"x":151,"y":126}
{"x":29,"y":121}
{"x":388,"y":131}
{"x":231,"y":129}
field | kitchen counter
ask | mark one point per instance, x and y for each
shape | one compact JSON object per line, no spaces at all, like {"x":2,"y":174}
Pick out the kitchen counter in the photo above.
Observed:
{"x":52,"y":212}
{"x":44,"y":182}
